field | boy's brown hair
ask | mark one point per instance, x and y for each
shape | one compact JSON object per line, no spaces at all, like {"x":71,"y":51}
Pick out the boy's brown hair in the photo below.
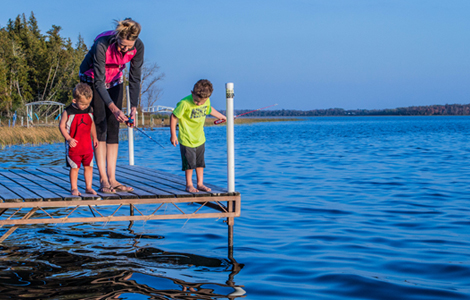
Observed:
{"x":203,"y":88}
{"x":82,"y":91}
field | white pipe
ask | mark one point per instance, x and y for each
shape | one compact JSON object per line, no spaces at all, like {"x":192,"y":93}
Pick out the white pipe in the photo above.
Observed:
{"x":130,"y":131}
{"x":230,"y":138}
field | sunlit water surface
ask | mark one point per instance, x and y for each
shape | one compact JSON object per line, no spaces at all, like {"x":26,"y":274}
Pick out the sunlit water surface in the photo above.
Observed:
{"x":332,"y":208}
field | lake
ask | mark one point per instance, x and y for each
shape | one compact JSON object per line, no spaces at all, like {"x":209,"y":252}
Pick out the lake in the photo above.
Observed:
{"x":332,"y":208}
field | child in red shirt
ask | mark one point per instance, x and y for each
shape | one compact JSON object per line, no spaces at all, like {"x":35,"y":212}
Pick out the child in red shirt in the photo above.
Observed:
{"x":78,"y":128}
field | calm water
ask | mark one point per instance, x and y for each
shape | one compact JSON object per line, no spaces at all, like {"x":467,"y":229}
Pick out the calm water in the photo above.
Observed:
{"x":332,"y":208}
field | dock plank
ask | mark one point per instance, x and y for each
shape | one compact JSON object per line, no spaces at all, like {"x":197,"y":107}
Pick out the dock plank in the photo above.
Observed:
{"x":63,"y":171}
{"x":177,"y":186}
{"x":66,"y":182}
{"x":179,"y":183}
{"x":160,"y":190}
{"x":23,"y":192}
{"x":137,"y":193}
{"x":45,"y":194}
{"x":63,"y":177}
{"x":44,"y":181}
{"x":8,"y":196}
{"x":141,"y":193}
{"x":216,"y":190}
{"x":147,"y":180}
{"x":158,"y":193}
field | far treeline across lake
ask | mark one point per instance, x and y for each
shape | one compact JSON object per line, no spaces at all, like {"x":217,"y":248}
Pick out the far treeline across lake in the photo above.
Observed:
{"x":430,"y":110}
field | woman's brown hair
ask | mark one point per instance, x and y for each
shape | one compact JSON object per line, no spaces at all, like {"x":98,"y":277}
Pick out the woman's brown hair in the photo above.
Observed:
{"x":127,"y":29}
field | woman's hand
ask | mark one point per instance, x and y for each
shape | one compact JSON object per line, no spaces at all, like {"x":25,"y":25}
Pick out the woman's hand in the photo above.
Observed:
{"x":132,"y":116}
{"x":118,"y":114}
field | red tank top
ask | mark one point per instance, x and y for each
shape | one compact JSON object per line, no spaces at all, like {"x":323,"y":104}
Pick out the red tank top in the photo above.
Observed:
{"x":78,"y":126}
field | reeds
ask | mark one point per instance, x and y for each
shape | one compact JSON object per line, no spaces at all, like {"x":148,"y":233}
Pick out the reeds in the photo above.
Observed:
{"x":34,"y":135}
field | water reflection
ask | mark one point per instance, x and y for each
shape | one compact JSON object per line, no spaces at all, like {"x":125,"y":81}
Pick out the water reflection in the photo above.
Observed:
{"x":81,"y":274}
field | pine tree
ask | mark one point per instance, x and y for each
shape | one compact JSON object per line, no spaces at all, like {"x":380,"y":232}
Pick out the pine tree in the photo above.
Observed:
{"x":36,"y":67}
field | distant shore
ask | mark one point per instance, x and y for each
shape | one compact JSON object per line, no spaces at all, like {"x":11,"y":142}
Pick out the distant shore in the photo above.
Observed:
{"x":38,"y":135}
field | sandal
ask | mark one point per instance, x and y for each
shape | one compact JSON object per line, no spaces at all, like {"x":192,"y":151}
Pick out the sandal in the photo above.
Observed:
{"x":123,"y":188}
{"x":107,"y":190}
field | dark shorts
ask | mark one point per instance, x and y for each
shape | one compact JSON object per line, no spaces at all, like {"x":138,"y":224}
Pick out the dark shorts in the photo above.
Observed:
{"x":193,"y":157}
{"x":74,"y":161}
{"x":107,"y":126}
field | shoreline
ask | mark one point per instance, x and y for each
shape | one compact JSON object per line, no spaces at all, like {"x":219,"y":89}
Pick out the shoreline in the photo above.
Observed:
{"x":50,"y":134}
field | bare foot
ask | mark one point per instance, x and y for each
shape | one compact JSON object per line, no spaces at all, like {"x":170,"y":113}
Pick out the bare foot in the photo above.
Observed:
{"x":75,"y":192}
{"x":191,"y":189}
{"x":91,"y":191}
{"x":203,"y":188}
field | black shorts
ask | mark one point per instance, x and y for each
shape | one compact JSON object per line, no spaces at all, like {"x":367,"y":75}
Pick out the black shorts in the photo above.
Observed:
{"x":107,"y":126}
{"x":192,"y":157}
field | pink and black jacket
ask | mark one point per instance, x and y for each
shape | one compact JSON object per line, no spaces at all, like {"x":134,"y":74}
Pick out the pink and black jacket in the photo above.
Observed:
{"x":104,"y":63}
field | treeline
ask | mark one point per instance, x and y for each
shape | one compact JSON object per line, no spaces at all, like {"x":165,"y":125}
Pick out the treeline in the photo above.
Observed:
{"x":36,"y":66}
{"x":430,"y":110}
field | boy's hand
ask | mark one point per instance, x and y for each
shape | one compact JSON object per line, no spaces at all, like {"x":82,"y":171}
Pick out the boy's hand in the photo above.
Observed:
{"x":220,"y":120}
{"x":72,"y":142}
{"x":174,"y":140}
{"x":95,"y":143}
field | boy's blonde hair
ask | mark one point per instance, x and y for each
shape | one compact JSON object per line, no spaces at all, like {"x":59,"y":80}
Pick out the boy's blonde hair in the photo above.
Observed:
{"x":82,"y":91}
{"x":127,"y":29}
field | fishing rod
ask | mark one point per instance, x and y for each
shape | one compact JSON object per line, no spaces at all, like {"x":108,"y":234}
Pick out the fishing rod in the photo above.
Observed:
{"x":220,"y":121}
{"x":131,"y":121}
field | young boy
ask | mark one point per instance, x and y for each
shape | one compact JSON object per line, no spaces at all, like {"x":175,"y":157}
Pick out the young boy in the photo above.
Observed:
{"x":191,"y":113}
{"x":77,"y":127}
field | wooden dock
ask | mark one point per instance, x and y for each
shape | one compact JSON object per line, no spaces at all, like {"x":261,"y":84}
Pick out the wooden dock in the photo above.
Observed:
{"x":42,"y":196}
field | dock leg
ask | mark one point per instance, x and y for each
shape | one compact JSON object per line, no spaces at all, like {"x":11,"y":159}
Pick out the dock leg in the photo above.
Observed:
{"x":131,"y":213}
{"x":11,"y":230}
{"x":3,"y":210}
{"x":230,"y":222}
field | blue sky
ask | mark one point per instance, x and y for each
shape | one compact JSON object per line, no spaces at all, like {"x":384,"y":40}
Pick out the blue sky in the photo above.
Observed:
{"x":301,"y":54}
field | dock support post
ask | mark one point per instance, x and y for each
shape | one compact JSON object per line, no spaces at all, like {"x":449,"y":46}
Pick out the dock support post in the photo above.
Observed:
{"x":229,"y":94}
{"x":230,"y":139}
{"x":130,"y":131}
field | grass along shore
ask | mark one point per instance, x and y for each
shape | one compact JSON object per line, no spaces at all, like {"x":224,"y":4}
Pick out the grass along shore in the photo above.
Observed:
{"x":50,"y":134}
{"x":33,"y":136}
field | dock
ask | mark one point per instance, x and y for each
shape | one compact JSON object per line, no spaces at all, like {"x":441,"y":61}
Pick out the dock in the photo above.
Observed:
{"x":42,"y":196}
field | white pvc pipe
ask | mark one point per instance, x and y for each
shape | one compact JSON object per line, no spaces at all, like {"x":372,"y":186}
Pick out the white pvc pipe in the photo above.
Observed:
{"x":130,"y":131}
{"x":230,"y":138}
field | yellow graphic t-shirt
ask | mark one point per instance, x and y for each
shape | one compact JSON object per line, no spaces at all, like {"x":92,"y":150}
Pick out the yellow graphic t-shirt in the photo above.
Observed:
{"x":191,"y":118}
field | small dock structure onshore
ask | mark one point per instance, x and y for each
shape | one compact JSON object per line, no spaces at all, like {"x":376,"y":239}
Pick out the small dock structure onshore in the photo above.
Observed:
{"x":42,"y":196}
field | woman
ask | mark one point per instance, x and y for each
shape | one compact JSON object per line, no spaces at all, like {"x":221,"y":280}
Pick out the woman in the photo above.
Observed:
{"x":102,"y":70}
